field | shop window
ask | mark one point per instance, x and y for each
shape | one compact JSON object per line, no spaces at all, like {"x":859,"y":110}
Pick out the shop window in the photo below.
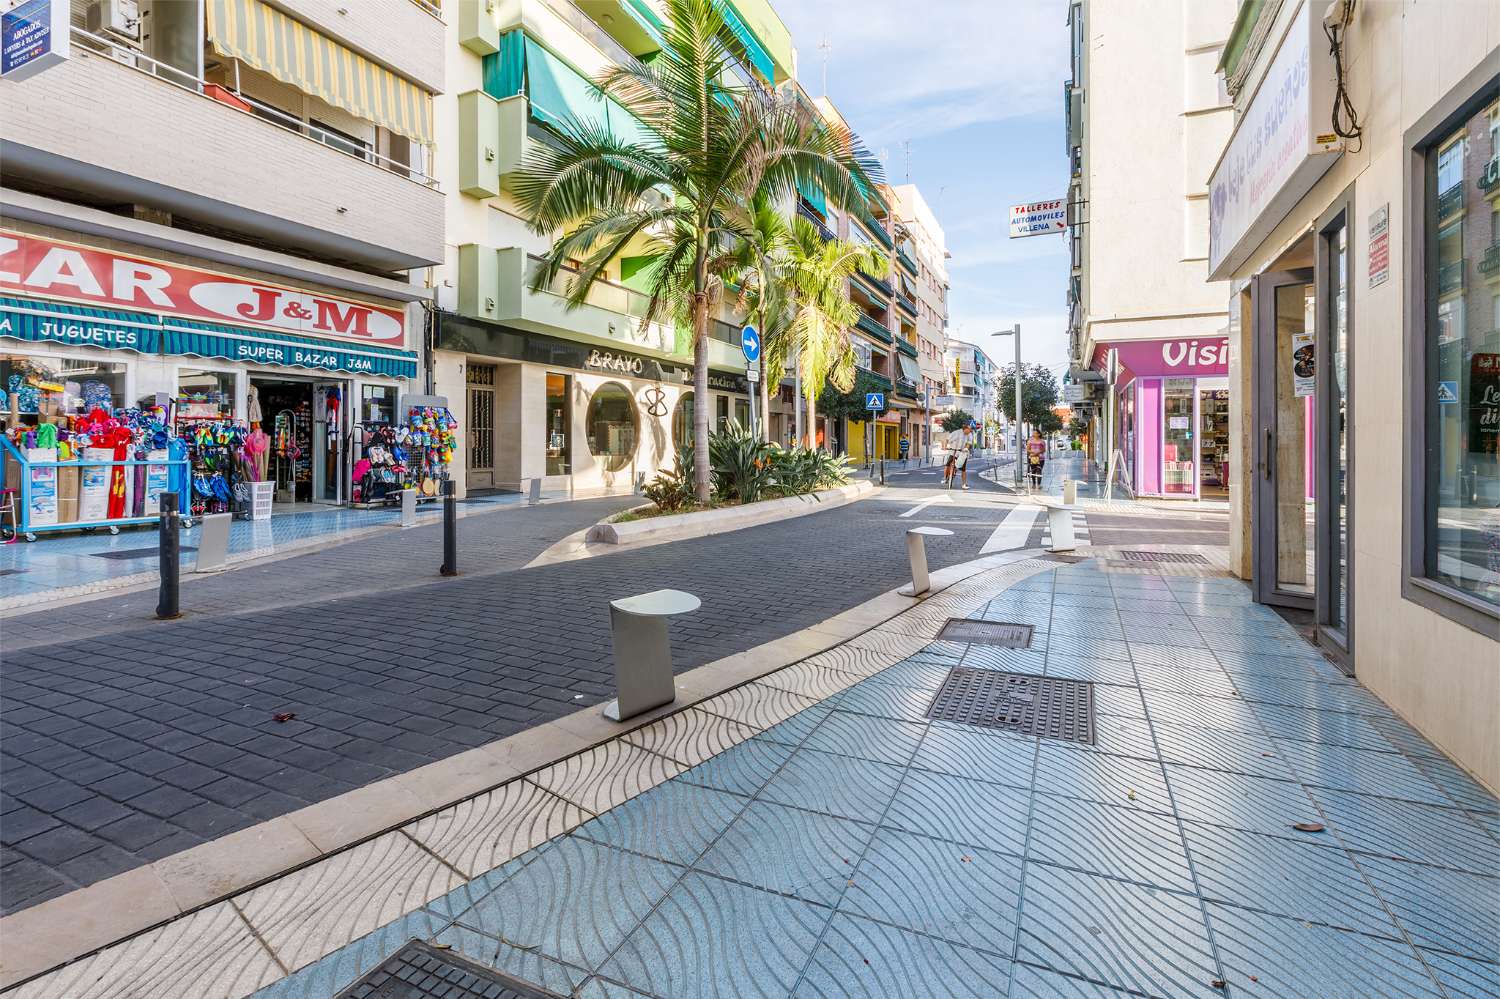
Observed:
{"x":1455,"y":549}
{"x":612,"y":426}
{"x":1178,"y":459}
{"x":36,"y":389}
{"x":377,"y":403}
{"x":204,"y":395}
{"x":721,"y":412}
{"x":559,"y":416}
{"x":682,"y":422}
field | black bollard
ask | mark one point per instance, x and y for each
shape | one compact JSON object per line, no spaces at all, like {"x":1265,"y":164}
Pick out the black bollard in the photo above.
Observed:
{"x":450,"y":531}
{"x":170,"y":559}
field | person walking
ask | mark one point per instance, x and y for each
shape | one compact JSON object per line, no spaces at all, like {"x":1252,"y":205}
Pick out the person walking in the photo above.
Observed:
{"x":1036,"y":458}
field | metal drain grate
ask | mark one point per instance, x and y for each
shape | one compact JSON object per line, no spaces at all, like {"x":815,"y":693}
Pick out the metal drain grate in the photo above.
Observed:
{"x":1050,"y":707}
{"x":1007,"y":636}
{"x":124,"y":554}
{"x":420,"y":971}
{"x":1178,"y":557}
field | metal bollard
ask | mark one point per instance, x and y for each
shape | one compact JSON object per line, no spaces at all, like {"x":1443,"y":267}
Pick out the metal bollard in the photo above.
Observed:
{"x":450,"y":531}
{"x":213,"y":542}
{"x":169,"y":549}
{"x":536,"y":492}
{"x":916,"y":552}
{"x":408,"y":508}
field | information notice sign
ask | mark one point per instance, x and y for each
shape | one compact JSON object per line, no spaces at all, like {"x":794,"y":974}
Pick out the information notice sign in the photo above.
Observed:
{"x":1380,"y":245}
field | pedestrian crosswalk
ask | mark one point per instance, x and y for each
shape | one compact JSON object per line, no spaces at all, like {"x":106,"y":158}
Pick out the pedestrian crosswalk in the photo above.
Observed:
{"x":1014,"y":530}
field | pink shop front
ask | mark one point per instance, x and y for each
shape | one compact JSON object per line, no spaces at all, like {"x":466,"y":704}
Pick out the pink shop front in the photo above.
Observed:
{"x":1171,"y":415}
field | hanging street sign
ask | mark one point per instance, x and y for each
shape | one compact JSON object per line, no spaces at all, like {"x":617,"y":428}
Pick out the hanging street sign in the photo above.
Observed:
{"x":750,"y":344}
{"x":875,"y":401}
{"x":1038,"y":218}
{"x":33,"y":37}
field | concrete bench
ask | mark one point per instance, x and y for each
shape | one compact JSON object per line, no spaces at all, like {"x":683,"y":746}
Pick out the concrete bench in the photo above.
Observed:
{"x":643,"y":650}
{"x":1059,"y":522}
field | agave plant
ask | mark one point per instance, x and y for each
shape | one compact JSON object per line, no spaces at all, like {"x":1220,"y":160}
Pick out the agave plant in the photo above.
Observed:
{"x":741,"y":464}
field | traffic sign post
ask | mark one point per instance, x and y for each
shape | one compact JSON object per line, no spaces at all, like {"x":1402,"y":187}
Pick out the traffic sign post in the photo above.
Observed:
{"x":875,"y":401}
{"x":750,"y":346}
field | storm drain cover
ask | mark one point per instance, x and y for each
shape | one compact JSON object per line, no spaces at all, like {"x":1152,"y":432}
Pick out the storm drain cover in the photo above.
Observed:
{"x":420,"y":971}
{"x":1178,"y":557}
{"x":1007,"y":636}
{"x":1046,"y":706}
{"x":130,"y":553}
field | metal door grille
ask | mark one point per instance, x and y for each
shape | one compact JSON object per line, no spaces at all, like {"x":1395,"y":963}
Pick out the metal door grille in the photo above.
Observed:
{"x":481,"y":417}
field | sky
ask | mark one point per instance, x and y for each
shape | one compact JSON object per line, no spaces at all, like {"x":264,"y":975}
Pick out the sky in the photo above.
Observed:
{"x":975,"y":88}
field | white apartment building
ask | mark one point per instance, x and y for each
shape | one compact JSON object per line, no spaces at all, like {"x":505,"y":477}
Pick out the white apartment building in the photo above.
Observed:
{"x":193,"y":215}
{"x":922,"y":255}
{"x":581,"y":401}
{"x":972,"y":384}
{"x":1146,"y":118}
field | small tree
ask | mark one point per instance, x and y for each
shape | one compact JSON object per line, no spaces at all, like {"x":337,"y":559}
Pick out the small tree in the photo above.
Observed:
{"x":956,"y":419}
{"x":1038,"y":396}
{"x":850,"y":405}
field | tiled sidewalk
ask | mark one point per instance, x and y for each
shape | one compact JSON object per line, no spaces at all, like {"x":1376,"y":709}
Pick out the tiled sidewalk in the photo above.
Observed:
{"x":812,"y":834}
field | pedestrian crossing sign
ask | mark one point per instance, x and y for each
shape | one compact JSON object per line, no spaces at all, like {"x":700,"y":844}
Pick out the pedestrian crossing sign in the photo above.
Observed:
{"x":875,"y":401}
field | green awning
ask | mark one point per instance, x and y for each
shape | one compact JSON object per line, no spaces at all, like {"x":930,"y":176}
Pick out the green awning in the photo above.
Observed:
{"x":505,"y":70}
{"x":79,"y":325}
{"x":910,"y":370}
{"x":813,"y":195}
{"x":559,"y":95}
{"x":759,"y":58}
{"x":256,"y":346}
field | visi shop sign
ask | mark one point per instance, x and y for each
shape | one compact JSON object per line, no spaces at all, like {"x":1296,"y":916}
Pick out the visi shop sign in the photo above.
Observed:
{"x":1202,"y":357}
{"x":37,"y":266}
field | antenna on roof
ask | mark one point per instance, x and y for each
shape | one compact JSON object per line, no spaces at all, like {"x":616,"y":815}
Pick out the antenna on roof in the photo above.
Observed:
{"x":825,"y":48}
{"x":906,"y":150}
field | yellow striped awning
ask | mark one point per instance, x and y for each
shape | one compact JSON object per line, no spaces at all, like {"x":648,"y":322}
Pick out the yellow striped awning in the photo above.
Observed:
{"x":268,"y":40}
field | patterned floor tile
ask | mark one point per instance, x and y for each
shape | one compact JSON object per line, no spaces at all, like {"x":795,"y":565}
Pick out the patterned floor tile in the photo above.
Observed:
{"x":868,"y":737}
{"x":964,"y":751}
{"x":1198,"y":682}
{"x":976,"y":813}
{"x":598,"y":779}
{"x":575,"y":903}
{"x":1110,"y":780}
{"x":1028,"y":982}
{"x":1317,"y":695}
{"x":1152,"y":654}
{"x":1387,"y":775}
{"x":718,"y":940}
{"x":861,"y":958}
{"x":1409,"y":831}
{"x":690,"y":736}
{"x":1442,"y":909}
{"x":1121,"y":736}
{"x":811,"y":680}
{"x":886,"y":700}
{"x":1258,"y":804}
{"x":482,"y":833}
{"x":1312,"y":880}
{"x":1032,"y":660}
{"x":601,"y":988}
{"x":1273,"y":957}
{"x":958,"y":893}
{"x":917,"y":674}
{"x":329,"y":975}
{"x":788,"y":850}
{"x":1064,"y":647}
{"x":798,"y":727}
{"x":1205,"y":712}
{"x":743,"y":769}
{"x":1220,"y":749}
{"x":1125,"y":935}
{"x":1333,"y":728}
{"x":1458,"y":785}
{"x":675,"y":822}
{"x":1113,"y":700}
{"x":1184,"y":637}
{"x":521,"y":962}
{"x":1093,"y":670}
{"x":1289,"y":667}
{"x":1463,"y":976}
{"x":1123,"y":843}
{"x":756,"y":704}
{"x":838,"y":785}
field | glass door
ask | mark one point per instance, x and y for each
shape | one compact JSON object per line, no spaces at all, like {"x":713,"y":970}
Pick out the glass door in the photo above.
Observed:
{"x":1179,"y":458}
{"x":1283,"y":506}
{"x":328,"y":443}
{"x":1333,"y":435}
{"x":480,"y":473}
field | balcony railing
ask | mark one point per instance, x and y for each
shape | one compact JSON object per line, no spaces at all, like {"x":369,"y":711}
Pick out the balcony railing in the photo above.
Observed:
{"x":881,"y":234}
{"x":874,"y":327}
{"x":817,"y":223}
{"x":1450,"y":201}
{"x":879,"y":284}
{"x":907,"y":388}
{"x":1451,"y":277}
{"x":881,"y":382}
{"x":906,"y":347}
{"x":906,"y":261}
{"x":231,"y":99}
{"x":906,"y":303}
{"x":1491,"y":259}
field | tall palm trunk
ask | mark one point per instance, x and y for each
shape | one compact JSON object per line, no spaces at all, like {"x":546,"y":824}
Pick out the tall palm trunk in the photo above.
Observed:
{"x":765,"y":401}
{"x":701,"y":467}
{"x":812,"y":421}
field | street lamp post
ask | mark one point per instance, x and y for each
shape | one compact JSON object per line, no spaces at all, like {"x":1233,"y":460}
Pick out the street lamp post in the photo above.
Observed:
{"x":1016,"y":332}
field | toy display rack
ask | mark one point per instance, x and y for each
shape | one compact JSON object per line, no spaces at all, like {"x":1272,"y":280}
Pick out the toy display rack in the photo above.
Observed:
{"x":26,"y":529}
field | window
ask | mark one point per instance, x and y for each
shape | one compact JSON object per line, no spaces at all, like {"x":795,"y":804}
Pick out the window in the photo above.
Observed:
{"x":377,"y":403}
{"x":204,"y":395}
{"x":1456,"y":542}
{"x":343,"y":141}
{"x":559,"y":415}
{"x":38,"y":389}
{"x":682,"y":422}
{"x":611,"y":426}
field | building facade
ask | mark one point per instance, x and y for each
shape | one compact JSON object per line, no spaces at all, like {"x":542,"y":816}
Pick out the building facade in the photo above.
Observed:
{"x":1363,"y":349}
{"x":193,"y":217}
{"x":578,"y":401}
{"x":922,"y":254}
{"x":1145,"y":121}
{"x":973,"y":385}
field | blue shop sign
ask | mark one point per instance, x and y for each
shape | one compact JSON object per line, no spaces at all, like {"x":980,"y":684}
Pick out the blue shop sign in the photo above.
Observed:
{"x":33,"y":36}
{"x":269,"y":347}
{"x":79,"y":326}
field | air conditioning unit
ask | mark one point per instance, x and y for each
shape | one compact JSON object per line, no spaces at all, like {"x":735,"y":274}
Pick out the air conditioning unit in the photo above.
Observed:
{"x":120,"y":18}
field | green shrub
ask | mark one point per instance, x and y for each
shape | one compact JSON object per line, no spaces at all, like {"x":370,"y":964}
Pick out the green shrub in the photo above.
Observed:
{"x":672,"y":489}
{"x":741,"y":466}
{"x":746,"y":470}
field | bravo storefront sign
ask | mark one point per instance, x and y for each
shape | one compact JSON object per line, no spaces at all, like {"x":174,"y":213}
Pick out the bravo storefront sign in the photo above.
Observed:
{"x":1038,"y":218}
{"x":1280,"y":147}
{"x":45,"y":267}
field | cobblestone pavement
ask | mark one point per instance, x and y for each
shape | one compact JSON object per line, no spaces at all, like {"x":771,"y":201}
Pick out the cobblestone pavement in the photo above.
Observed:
{"x":1247,"y":822}
{"x":126,"y":740}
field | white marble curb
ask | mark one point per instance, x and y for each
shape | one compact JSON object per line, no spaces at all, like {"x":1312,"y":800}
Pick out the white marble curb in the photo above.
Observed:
{"x":702,"y":523}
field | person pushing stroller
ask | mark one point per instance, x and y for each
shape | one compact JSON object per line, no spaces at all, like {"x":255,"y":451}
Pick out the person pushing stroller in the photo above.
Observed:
{"x":1036,"y":458}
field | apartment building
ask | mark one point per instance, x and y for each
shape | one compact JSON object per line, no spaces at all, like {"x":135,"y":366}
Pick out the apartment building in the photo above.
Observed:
{"x":226,"y":207}
{"x":922,"y":260}
{"x":1146,"y":116}
{"x":1354,"y":214}
{"x":582,"y":401}
{"x":973,"y":386}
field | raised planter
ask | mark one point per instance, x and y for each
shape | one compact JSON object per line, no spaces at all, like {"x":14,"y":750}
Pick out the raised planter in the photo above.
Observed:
{"x":702,"y":523}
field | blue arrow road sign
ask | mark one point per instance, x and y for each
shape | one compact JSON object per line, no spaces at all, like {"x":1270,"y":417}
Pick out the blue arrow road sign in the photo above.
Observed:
{"x":750,"y":344}
{"x":875,"y":401}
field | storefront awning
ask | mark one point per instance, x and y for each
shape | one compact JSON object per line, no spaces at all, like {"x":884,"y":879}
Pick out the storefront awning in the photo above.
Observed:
{"x":281,"y":349}
{"x":263,"y":37}
{"x":79,"y":325}
{"x":910,"y":370}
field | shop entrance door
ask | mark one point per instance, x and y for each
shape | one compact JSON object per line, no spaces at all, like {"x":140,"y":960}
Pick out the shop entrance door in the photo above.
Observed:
{"x":330,"y":473}
{"x":481,"y":427}
{"x":1285,"y":539}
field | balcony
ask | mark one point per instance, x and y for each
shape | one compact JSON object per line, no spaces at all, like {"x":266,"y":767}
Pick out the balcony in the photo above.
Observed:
{"x":1451,"y":277}
{"x":873,"y":327}
{"x":1490,"y":175}
{"x":906,"y":347}
{"x":906,"y":304}
{"x":907,"y":389}
{"x":877,"y":230}
{"x":1449,"y":202}
{"x":1491,"y":259}
{"x":878,"y":382}
{"x":495,"y":285}
{"x":906,"y":261}
{"x":117,"y":126}
{"x":875,"y":284}
{"x":817,"y":223}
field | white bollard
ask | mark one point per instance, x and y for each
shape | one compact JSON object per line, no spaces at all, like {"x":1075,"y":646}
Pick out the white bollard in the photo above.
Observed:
{"x":916,"y":552}
{"x":1060,"y":525}
{"x":1070,"y":491}
{"x":536,"y":493}
{"x":408,"y":508}
{"x":643,"y":650}
{"x":213,"y":542}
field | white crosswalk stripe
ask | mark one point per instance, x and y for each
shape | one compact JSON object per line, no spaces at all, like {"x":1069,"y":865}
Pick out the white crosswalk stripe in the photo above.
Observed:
{"x":1013,"y":531}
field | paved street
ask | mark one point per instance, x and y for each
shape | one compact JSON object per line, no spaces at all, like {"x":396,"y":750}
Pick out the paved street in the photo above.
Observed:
{"x":126,"y":739}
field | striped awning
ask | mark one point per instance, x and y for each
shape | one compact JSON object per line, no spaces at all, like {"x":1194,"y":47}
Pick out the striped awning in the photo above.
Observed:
{"x":78,"y":325}
{"x":181,"y":336}
{"x":264,"y":38}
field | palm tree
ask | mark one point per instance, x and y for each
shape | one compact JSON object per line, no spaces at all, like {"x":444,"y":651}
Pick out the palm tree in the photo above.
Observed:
{"x":818,"y":274}
{"x":677,"y":196}
{"x":759,"y":266}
